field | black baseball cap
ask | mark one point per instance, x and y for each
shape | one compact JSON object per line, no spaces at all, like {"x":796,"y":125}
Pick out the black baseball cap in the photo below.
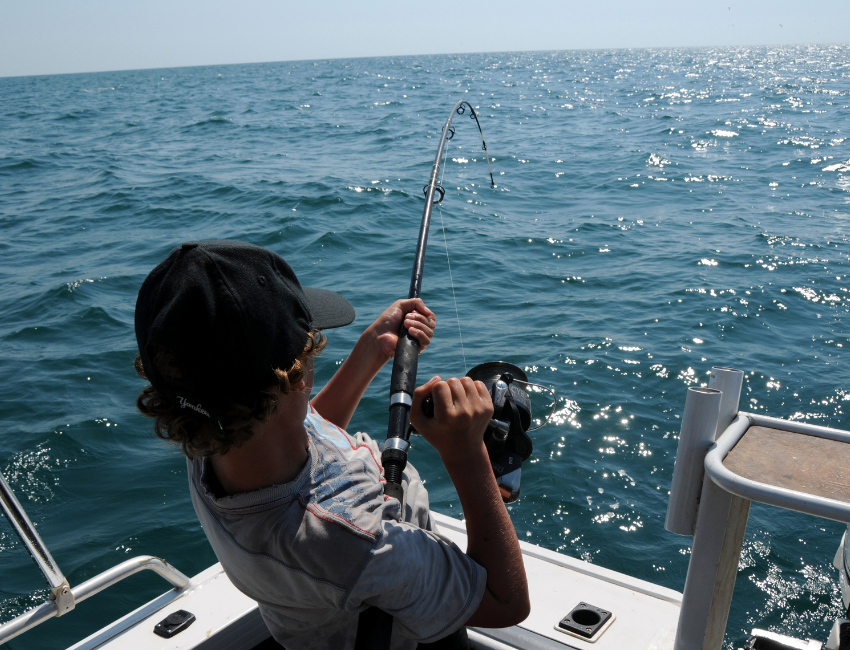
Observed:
{"x":230,"y":313}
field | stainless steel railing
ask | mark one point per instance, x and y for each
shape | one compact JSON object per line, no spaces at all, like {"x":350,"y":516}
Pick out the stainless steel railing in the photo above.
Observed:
{"x":14,"y":512}
{"x":63,"y":597}
{"x":90,"y":587}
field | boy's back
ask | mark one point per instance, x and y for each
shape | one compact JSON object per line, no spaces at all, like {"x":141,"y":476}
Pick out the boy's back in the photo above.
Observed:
{"x":333,"y":540}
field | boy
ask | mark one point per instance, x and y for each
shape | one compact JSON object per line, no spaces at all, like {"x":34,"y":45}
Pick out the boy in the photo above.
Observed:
{"x":292,"y":505}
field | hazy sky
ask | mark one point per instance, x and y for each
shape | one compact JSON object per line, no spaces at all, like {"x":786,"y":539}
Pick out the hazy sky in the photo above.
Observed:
{"x":57,"y":36}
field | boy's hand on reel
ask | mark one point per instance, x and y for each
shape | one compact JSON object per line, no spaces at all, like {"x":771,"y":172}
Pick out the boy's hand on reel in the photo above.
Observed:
{"x":462,"y":411}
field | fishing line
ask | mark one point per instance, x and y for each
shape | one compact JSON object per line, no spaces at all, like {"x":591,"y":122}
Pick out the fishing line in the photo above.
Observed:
{"x":451,"y":132}
{"x":473,"y":115}
{"x":448,"y":261}
{"x":527,"y":384}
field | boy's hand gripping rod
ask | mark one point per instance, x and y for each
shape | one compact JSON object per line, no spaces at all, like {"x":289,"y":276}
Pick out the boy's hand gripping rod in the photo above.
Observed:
{"x":375,"y":626}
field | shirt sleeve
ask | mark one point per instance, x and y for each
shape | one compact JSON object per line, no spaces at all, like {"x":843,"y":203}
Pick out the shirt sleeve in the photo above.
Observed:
{"x":422,"y":579}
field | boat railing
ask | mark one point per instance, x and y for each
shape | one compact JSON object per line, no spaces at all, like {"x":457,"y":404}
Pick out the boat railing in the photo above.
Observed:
{"x":727,"y":459}
{"x":63,"y":597}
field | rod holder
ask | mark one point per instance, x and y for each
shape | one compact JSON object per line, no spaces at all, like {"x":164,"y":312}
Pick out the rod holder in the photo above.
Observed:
{"x":728,"y":381}
{"x":721,"y":522}
{"x":699,"y":425}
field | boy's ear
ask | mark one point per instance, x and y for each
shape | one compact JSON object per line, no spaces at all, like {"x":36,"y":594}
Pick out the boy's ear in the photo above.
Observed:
{"x":301,"y":386}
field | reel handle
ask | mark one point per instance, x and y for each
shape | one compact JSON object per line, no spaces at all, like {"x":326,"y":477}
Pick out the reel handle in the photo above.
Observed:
{"x":500,"y":429}
{"x":428,"y":407}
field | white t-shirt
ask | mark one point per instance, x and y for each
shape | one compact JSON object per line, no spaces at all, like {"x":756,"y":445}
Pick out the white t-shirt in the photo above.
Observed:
{"x":317,"y":551}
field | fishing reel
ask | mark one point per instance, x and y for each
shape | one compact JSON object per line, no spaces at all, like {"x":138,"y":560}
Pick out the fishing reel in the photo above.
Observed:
{"x":506,"y":437}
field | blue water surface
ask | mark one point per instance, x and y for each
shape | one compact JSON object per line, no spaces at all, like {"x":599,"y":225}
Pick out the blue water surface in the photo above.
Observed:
{"x":656,"y":212}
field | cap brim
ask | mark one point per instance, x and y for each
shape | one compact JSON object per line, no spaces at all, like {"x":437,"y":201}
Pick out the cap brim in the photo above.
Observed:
{"x":329,"y":309}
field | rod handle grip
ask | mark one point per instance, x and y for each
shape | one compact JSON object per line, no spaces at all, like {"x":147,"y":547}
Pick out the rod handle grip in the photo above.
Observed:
{"x":405,"y":364}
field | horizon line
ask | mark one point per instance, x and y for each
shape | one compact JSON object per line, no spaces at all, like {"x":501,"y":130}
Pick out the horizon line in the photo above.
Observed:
{"x":391,"y":56}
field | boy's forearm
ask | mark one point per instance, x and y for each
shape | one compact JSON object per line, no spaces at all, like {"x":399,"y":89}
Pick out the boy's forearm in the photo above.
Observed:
{"x":338,"y":400}
{"x":491,"y":538}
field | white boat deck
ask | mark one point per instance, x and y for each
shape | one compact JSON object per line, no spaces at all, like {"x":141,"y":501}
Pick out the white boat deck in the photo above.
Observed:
{"x":645,"y":615}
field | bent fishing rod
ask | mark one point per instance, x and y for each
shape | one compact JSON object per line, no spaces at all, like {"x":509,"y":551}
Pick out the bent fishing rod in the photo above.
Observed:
{"x":406,"y":359}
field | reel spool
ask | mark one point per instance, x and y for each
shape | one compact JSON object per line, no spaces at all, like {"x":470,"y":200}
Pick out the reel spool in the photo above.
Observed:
{"x":506,"y":438}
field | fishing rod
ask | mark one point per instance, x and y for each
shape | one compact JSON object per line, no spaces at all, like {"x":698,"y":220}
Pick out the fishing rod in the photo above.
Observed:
{"x":506,"y":436}
{"x":406,"y":359}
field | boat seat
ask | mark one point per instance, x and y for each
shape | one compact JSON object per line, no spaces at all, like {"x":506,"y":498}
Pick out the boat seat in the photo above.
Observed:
{"x":794,"y":461}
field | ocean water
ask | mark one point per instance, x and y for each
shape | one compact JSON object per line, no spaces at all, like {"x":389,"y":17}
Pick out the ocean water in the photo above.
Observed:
{"x":656,"y":212}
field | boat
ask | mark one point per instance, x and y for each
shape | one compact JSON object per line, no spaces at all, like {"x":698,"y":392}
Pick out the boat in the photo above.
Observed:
{"x":726,"y":459}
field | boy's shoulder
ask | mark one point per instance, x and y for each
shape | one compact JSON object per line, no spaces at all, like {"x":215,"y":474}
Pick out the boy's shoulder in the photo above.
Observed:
{"x":297,"y":533}
{"x":346,"y":483}
{"x":339,"y":493}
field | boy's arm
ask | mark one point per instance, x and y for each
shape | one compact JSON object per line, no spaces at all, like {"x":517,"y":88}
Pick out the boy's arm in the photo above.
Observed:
{"x":339,"y":398}
{"x":462,"y":409}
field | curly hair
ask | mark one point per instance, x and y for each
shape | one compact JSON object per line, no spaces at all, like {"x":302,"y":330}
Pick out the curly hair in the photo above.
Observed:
{"x":196,"y":435}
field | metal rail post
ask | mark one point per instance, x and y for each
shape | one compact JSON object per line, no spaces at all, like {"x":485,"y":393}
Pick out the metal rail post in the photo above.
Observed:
{"x":60,"y":591}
